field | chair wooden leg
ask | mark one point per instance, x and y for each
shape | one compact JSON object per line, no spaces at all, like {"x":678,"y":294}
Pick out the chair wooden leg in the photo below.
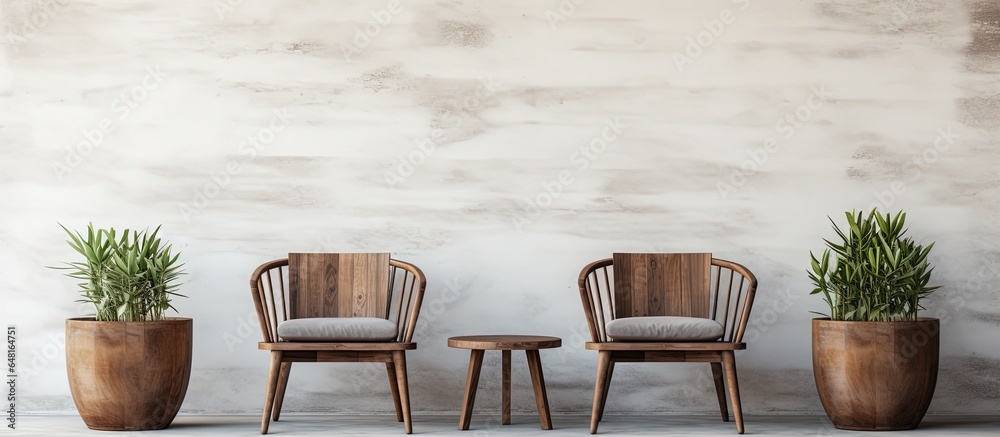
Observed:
{"x":272,"y":387}
{"x":603,"y":363}
{"x":399,"y":359}
{"x":279,"y":396}
{"x":720,"y":390}
{"x":538,"y":381}
{"x":390,"y":368}
{"x":607,"y":388}
{"x":729,"y":362}
{"x":505,"y":382}
{"x":471,"y":384}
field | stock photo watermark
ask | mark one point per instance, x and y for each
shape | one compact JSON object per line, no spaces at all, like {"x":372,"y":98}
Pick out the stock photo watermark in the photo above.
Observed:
{"x":957,"y":300}
{"x":975,"y":286}
{"x":575,"y":342}
{"x":787,"y":125}
{"x":12,"y":377}
{"x":897,"y":16}
{"x":580,"y":160}
{"x":20,"y":370}
{"x":223,"y":7}
{"x":562,"y":12}
{"x":424,"y":148}
{"x":763,"y":318}
{"x":438,"y":305}
{"x":122,"y":107}
{"x":247,"y":151}
{"x":246,"y":327}
{"x":365,"y":33}
{"x":29,"y":26}
{"x":915,"y":168}
{"x":713,"y":29}
{"x":42,"y":358}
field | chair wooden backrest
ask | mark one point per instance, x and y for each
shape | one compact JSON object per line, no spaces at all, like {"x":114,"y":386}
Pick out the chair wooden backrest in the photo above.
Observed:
{"x":338,"y":284}
{"x":306,"y":285}
{"x":662,"y":284}
{"x":689,"y":285}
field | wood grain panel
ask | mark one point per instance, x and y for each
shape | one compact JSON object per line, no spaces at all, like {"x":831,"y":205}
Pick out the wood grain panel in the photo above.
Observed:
{"x":662,"y":284}
{"x":338,"y":285}
{"x":505,"y":384}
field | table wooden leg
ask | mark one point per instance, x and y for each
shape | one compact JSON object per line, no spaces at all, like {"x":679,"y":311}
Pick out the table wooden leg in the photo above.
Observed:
{"x":506,"y":388}
{"x":471,"y":384}
{"x":538,"y":382}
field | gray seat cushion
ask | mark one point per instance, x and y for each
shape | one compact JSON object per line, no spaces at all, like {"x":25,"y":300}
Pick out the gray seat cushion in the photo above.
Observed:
{"x":664,"y":328}
{"x":338,"y":329}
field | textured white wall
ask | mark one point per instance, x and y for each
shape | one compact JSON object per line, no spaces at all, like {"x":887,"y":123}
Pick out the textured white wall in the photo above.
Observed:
{"x":265,"y":127}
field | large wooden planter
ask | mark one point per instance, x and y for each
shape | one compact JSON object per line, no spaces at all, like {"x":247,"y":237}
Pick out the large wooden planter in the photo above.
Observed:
{"x":128,"y":376}
{"x":875,"y":376}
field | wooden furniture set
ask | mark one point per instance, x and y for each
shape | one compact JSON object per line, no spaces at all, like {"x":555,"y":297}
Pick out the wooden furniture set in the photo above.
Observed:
{"x":530,"y":344}
{"x":328,"y":307}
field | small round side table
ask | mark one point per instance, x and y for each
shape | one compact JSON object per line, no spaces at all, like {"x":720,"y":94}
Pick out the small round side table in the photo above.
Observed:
{"x":530,"y":344}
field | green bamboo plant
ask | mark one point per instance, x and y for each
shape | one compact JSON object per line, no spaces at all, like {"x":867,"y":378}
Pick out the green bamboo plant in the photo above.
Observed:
{"x":876,"y":274}
{"x":128,"y":277}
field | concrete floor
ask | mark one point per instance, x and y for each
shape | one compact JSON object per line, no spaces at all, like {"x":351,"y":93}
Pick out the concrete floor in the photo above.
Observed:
{"x":487,"y":425}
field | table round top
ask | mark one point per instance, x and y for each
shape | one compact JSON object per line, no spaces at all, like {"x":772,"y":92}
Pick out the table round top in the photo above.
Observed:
{"x":505,"y":342}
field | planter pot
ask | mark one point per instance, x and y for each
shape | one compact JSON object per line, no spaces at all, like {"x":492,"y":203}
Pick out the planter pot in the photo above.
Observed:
{"x":128,"y":376}
{"x":875,"y":376}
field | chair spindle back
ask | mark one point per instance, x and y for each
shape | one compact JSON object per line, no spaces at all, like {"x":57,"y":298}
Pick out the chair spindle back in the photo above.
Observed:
{"x":722,"y":291}
{"x":337,"y":285}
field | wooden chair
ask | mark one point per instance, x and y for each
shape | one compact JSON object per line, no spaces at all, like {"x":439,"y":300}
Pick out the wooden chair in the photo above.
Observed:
{"x":687,"y":285}
{"x":317,"y":285}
